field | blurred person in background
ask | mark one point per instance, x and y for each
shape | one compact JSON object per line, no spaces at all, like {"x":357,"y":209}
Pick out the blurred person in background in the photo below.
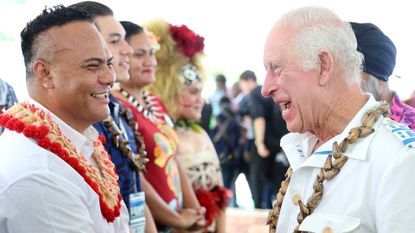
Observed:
{"x":220,"y":91}
{"x":379,"y":61}
{"x":7,"y":98}
{"x":265,"y":168}
{"x":226,"y":138}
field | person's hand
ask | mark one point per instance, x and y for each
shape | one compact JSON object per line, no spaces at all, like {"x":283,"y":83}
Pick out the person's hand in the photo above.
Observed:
{"x":191,"y":219}
{"x":201,"y":223}
{"x":262,"y":150}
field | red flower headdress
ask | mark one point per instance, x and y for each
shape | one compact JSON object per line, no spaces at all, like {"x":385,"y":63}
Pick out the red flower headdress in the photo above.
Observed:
{"x":189,"y":42}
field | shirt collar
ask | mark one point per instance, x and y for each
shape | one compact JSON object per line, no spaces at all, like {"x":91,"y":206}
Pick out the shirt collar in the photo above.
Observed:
{"x":83,"y":142}
{"x":298,"y":147}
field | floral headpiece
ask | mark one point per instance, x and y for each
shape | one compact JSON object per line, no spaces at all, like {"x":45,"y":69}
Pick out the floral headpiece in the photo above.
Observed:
{"x":189,"y":75}
{"x":189,"y":42}
{"x":154,"y":40}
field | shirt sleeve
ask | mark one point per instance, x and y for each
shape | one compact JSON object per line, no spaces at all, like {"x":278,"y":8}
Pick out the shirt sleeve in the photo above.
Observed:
{"x":395,"y":202}
{"x":41,"y":203}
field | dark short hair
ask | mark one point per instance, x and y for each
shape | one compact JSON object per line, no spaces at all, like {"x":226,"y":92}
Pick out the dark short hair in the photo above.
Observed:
{"x":248,"y":75}
{"x":93,"y":8}
{"x":50,"y":17}
{"x":220,"y":78}
{"x":131,"y":29}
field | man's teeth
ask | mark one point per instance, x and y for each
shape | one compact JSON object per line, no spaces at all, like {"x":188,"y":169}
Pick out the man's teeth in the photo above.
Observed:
{"x":101,"y":96}
{"x":284,"y":105}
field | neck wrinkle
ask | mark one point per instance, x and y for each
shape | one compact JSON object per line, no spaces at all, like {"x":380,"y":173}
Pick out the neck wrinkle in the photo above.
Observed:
{"x":338,"y":116}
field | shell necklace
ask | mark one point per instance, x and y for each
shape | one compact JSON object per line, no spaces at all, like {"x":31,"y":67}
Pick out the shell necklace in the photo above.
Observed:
{"x":331,"y":168}
{"x":138,"y":160}
{"x":150,"y":111}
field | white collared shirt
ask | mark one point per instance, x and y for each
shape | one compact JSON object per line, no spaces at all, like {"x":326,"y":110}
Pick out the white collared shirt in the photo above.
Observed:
{"x":374,"y":191}
{"x":39,"y":192}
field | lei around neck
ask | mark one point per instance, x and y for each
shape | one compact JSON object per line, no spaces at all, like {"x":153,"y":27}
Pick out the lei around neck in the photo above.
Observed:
{"x":36,"y":124}
{"x":193,"y":125}
{"x":138,"y":160}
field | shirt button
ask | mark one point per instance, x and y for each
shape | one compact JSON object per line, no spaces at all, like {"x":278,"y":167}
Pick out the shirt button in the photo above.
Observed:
{"x":327,"y":230}
{"x":295,"y":198}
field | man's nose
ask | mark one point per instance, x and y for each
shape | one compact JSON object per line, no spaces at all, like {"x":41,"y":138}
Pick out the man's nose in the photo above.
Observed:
{"x":267,"y":87}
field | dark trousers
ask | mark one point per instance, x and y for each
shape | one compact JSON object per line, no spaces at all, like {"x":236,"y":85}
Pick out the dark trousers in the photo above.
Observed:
{"x":265,"y":178}
{"x":231,"y":170}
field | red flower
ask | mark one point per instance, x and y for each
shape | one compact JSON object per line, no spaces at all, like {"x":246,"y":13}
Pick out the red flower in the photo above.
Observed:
{"x":10,"y":124}
{"x":224,"y":195}
{"x":189,"y":42}
{"x":55,"y":147}
{"x":73,"y":162}
{"x":44,"y":142}
{"x":4,"y":118}
{"x":19,"y":126}
{"x":81,"y":170}
{"x":63,"y":154}
{"x":31,"y":107}
{"x":41,"y":132}
{"x":29,"y":131}
{"x":102,"y":139}
{"x":207,"y":200}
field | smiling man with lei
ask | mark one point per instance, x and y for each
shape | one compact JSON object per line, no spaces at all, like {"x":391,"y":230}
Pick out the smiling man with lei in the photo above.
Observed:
{"x":351,"y":166}
{"x":55,"y":175}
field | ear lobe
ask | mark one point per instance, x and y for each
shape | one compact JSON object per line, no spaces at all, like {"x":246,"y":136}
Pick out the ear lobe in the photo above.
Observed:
{"x":42,"y":73}
{"x":326,"y":67}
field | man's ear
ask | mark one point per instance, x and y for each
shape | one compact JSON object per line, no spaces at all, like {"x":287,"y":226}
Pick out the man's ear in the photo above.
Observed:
{"x":42,"y":73}
{"x":326,"y":67}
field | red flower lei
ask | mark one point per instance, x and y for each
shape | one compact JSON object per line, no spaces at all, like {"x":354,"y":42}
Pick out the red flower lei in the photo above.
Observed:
{"x":189,"y":42}
{"x":35,"y":123}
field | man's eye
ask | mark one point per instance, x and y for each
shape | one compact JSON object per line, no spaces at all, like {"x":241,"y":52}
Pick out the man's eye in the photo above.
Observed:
{"x":114,"y":41}
{"x":274,"y":67}
{"x":92,"y":66}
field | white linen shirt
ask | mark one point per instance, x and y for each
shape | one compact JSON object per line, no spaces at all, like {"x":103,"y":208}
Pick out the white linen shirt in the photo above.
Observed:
{"x":41,"y":193}
{"x":374,"y":191}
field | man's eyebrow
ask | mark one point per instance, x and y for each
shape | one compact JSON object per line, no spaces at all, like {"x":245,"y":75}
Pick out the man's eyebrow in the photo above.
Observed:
{"x":96,"y":59}
{"x":115,"y":34}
